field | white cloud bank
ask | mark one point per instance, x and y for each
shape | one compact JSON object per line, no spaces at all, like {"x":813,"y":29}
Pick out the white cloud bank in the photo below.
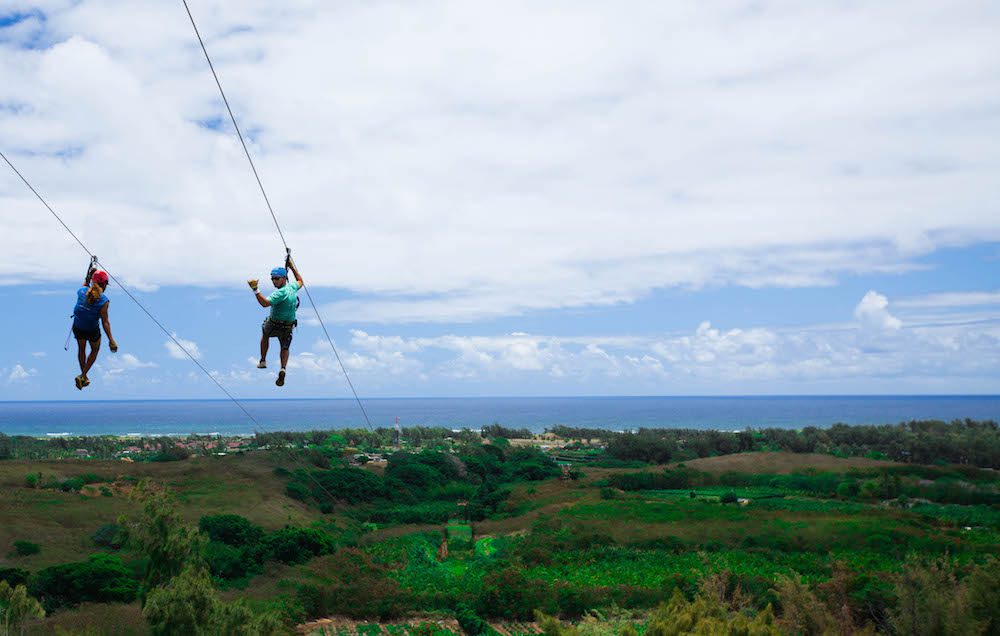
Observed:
{"x":877,"y":350}
{"x":456,"y":160}
{"x":177,"y":346}
{"x":873,"y":312}
{"x":19,"y":374}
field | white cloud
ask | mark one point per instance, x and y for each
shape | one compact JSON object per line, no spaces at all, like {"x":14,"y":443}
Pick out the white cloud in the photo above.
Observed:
{"x":873,"y":312}
{"x":116,"y":364}
{"x":20,"y":374}
{"x":177,"y":346}
{"x":877,"y":347}
{"x":38,"y":354}
{"x":426,"y":163}
{"x":950,"y":299}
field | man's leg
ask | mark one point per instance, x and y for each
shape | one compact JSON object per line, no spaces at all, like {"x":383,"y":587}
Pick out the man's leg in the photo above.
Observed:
{"x":264,"y":342}
{"x":286,"y":342}
{"x":95,"y":346}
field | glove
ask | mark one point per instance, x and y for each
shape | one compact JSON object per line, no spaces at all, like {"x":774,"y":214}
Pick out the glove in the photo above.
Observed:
{"x":114,"y":346}
{"x":253,"y":283}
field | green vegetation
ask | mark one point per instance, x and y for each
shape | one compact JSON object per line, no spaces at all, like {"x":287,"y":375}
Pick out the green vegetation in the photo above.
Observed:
{"x":495,"y":537}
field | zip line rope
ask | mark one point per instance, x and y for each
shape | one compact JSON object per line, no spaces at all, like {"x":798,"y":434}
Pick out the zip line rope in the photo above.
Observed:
{"x":94,"y":259}
{"x":270,"y":209}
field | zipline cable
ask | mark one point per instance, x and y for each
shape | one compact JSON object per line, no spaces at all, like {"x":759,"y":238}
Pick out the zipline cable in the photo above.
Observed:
{"x":128,"y":292}
{"x":270,"y":209}
{"x":94,"y":259}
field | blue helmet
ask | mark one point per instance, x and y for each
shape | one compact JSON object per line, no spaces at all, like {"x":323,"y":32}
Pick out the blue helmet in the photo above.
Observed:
{"x":279,"y":271}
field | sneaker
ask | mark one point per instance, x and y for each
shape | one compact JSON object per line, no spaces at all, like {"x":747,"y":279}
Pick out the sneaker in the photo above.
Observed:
{"x":262,"y":364}
{"x":85,"y":383}
{"x":281,"y":378}
{"x":78,"y":381}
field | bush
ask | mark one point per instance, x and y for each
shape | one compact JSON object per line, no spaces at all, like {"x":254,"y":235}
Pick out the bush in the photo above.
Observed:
{"x":31,"y":480}
{"x":14,"y":576}
{"x":297,"y":491}
{"x":352,"y":485}
{"x":73,"y":484}
{"x":102,"y":578}
{"x":431,"y":512}
{"x":171,"y":454}
{"x":26,"y":548}
{"x":356,"y":588}
{"x":298,"y":545}
{"x":229,"y":563}
{"x":470,"y":622}
{"x":729,"y":497}
{"x":110,"y":535}
{"x":232,"y":530}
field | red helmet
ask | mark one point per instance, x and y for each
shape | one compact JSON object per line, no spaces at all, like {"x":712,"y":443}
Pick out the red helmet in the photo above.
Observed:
{"x":100,"y":277}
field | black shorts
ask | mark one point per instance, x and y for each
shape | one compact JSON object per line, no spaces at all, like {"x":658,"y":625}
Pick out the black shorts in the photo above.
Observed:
{"x":280,"y":330}
{"x":90,"y":335}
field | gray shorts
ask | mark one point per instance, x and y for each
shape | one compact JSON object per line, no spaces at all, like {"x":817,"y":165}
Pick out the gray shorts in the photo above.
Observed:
{"x":280,"y":330}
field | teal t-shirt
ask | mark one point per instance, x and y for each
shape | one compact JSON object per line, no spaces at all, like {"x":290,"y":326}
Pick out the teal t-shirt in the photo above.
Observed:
{"x":283,"y":302}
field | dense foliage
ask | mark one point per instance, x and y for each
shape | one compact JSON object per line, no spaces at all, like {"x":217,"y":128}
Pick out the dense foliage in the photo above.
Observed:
{"x":426,"y":487}
{"x":969,"y":442}
{"x":102,"y":578}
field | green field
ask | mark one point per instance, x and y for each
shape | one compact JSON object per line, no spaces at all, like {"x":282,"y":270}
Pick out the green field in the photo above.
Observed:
{"x":567,"y":547}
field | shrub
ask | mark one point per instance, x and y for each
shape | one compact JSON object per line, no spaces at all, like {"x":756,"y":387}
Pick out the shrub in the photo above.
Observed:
{"x":74,"y":484}
{"x":357,"y":588}
{"x":352,"y":485}
{"x":226,"y":562}
{"x":728,"y":498}
{"x":26,"y":548}
{"x":31,"y":480}
{"x":298,"y":545}
{"x":102,"y":578}
{"x":110,"y":535}
{"x":431,"y":512}
{"x":14,"y":576}
{"x":297,"y":491}
{"x":470,"y":622}
{"x":171,"y":454}
{"x":231,"y":529}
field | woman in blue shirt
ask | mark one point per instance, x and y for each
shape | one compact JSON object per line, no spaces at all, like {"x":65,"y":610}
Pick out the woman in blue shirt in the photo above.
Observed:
{"x":91,"y":309}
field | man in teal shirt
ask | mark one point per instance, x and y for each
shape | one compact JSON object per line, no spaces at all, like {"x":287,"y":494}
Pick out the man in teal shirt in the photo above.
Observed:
{"x":283,"y":302}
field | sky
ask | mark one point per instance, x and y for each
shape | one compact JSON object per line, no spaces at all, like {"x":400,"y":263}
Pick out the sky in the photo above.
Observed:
{"x":567,"y":198}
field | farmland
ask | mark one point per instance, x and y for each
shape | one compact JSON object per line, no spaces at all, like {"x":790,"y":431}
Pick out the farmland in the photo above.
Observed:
{"x":442,"y":541}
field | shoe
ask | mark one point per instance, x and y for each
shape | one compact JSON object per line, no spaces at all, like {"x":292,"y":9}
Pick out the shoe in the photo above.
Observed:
{"x":262,"y":364}
{"x":78,"y":381}
{"x":281,"y":378}
{"x":86,"y":383}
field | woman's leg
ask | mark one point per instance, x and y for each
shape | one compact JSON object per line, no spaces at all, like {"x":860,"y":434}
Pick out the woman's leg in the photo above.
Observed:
{"x":81,"y":353}
{"x":95,"y":346}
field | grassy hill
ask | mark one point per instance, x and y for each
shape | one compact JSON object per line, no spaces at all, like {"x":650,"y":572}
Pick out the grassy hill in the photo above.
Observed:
{"x":561,"y":545}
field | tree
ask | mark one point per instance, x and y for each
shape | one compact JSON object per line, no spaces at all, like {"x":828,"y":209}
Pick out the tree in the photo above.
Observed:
{"x":162,"y":536}
{"x":102,"y":578}
{"x":15,"y":606}
{"x":188,"y":604}
{"x":930,"y":601}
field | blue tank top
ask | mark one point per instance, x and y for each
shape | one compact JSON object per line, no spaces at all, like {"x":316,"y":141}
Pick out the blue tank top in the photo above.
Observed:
{"x":87,"y":316}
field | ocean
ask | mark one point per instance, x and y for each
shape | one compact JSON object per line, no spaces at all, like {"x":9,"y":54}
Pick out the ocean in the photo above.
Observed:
{"x":181,"y":417}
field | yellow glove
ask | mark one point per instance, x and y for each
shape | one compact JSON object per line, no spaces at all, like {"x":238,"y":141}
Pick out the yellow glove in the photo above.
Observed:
{"x":253,"y":283}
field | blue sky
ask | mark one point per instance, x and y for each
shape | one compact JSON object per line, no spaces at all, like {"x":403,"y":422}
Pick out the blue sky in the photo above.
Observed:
{"x":724,"y":199}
